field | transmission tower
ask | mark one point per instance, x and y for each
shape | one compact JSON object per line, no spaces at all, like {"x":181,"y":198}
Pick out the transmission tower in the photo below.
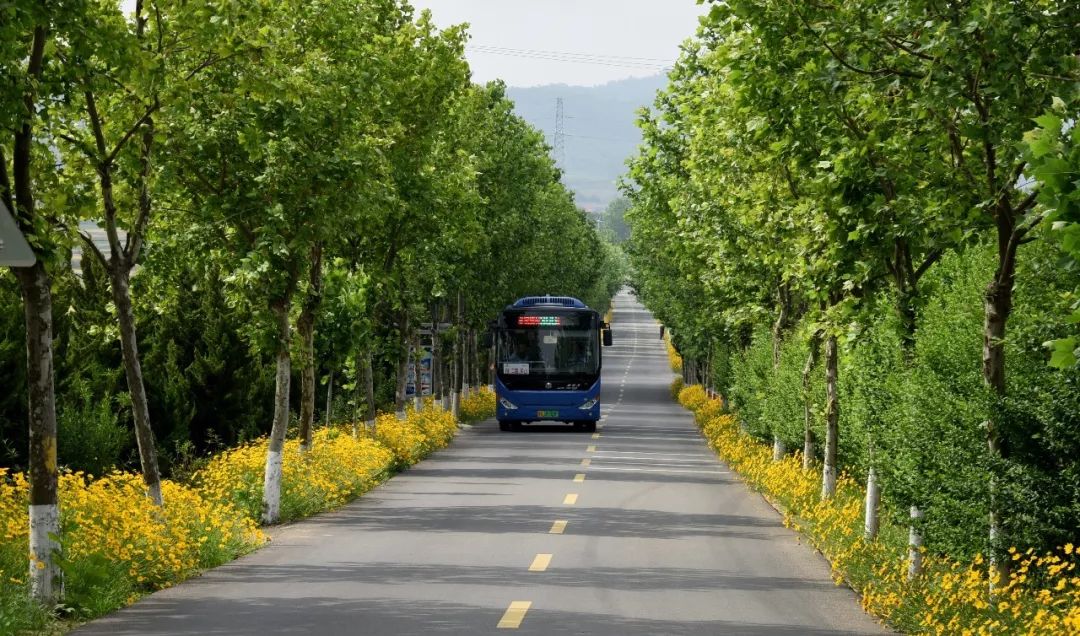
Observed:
{"x":559,"y":147}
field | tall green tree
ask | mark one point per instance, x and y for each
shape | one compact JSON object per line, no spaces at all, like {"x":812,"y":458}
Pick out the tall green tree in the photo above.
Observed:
{"x":32,"y":87}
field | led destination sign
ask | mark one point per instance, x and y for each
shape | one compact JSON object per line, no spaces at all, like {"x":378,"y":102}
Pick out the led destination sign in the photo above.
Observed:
{"x":539,"y":321}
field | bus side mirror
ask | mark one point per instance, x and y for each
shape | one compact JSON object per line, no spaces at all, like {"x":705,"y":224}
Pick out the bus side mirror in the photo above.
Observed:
{"x":607,"y":337}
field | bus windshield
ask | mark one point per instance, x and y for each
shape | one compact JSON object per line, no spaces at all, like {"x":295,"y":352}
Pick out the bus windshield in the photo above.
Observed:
{"x":534,"y":347}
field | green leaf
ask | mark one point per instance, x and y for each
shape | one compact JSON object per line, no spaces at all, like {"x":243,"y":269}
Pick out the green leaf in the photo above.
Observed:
{"x":1064,"y":353}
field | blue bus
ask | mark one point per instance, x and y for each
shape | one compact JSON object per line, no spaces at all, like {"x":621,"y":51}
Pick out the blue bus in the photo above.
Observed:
{"x":547,"y":362}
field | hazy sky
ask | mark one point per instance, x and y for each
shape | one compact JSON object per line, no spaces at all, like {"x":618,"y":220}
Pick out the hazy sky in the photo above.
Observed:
{"x":529,"y":42}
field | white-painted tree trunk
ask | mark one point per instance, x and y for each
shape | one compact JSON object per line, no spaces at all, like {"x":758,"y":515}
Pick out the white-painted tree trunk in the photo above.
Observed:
{"x":778,"y":449}
{"x":272,"y":473}
{"x":999,"y":567}
{"x":873,"y":498}
{"x":914,"y":545}
{"x":46,"y":584}
{"x":832,"y":419}
{"x":272,"y":487}
{"x":828,"y":481}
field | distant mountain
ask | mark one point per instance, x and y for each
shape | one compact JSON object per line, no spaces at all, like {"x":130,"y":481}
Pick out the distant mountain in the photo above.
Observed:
{"x":599,"y":127}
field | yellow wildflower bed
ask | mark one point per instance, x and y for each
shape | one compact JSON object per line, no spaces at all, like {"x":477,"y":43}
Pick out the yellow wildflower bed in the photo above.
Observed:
{"x":117,"y":545}
{"x":1042,"y":595}
{"x":338,"y":468}
{"x":676,"y":388}
{"x":419,"y":434}
{"x":480,"y":405}
{"x":674,"y":359}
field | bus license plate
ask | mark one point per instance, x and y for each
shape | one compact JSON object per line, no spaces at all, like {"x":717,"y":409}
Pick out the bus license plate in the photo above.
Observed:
{"x":547,"y":414}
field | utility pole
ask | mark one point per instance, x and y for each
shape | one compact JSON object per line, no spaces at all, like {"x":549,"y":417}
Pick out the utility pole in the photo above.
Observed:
{"x":559,"y":149}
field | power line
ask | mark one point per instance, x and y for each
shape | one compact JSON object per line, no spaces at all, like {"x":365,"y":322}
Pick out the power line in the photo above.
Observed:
{"x":574,"y":58}
{"x":620,"y":58}
{"x":616,"y":139}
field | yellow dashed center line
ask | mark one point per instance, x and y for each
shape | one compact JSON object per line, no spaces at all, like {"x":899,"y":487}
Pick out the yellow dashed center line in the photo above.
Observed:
{"x":558,"y":527}
{"x":540,"y":563}
{"x":596,"y":435}
{"x":590,"y":449}
{"x":580,"y":477}
{"x":570,"y":499}
{"x":514,"y":615}
{"x":586,"y":462}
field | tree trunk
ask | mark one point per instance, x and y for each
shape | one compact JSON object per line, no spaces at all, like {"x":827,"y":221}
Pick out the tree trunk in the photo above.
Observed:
{"x":476,"y":361}
{"x":369,"y":390}
{"x":305,"y":325}
{"x":808,"y":400}
{"x":466,"y":364}
{"x":778,"y":449}
{"x":832,"y":419}
{"x":448,"y":381}
{"x":329,"y":398}
{"x":998,"y":306}
{"x":706,"y":376}
{"x":46,"y":585}
{"x":457,"y":363}
{"x":272,"y":476}
{"x":783,"y":318}
{"x":436,"y":358}
{"x":904,"y":278}
{"x":358,"y":391}
{"x":119,"y":266}
{"x":307,"y":380}
{"x":119,"y":273}
{"x":905,"y":309}
{"x":401,"y":382}
{"x":873,"y":499}
{"x":915,"y":544}
{"x":418,"y":354}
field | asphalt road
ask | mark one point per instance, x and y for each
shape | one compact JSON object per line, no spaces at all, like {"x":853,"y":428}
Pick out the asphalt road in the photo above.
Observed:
{"x":637,"y":529}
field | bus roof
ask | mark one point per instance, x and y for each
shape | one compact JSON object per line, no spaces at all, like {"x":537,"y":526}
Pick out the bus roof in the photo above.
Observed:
{"x":540,"y":301}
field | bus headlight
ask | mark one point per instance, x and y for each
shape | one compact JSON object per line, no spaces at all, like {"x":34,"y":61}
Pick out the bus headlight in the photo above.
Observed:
{"x":588,"y":405}
{"x":507,"y":404}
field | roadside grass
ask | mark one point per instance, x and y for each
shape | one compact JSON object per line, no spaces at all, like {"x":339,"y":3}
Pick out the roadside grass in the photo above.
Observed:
{"x":1042,"y":595}
{"x":117,"y":546}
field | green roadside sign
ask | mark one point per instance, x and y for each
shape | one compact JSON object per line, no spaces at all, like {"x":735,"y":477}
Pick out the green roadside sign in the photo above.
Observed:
{"x":14,"y":250}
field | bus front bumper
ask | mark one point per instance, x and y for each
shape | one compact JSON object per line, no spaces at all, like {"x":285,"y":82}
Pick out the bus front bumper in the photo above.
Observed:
{"x":535,"y":406}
